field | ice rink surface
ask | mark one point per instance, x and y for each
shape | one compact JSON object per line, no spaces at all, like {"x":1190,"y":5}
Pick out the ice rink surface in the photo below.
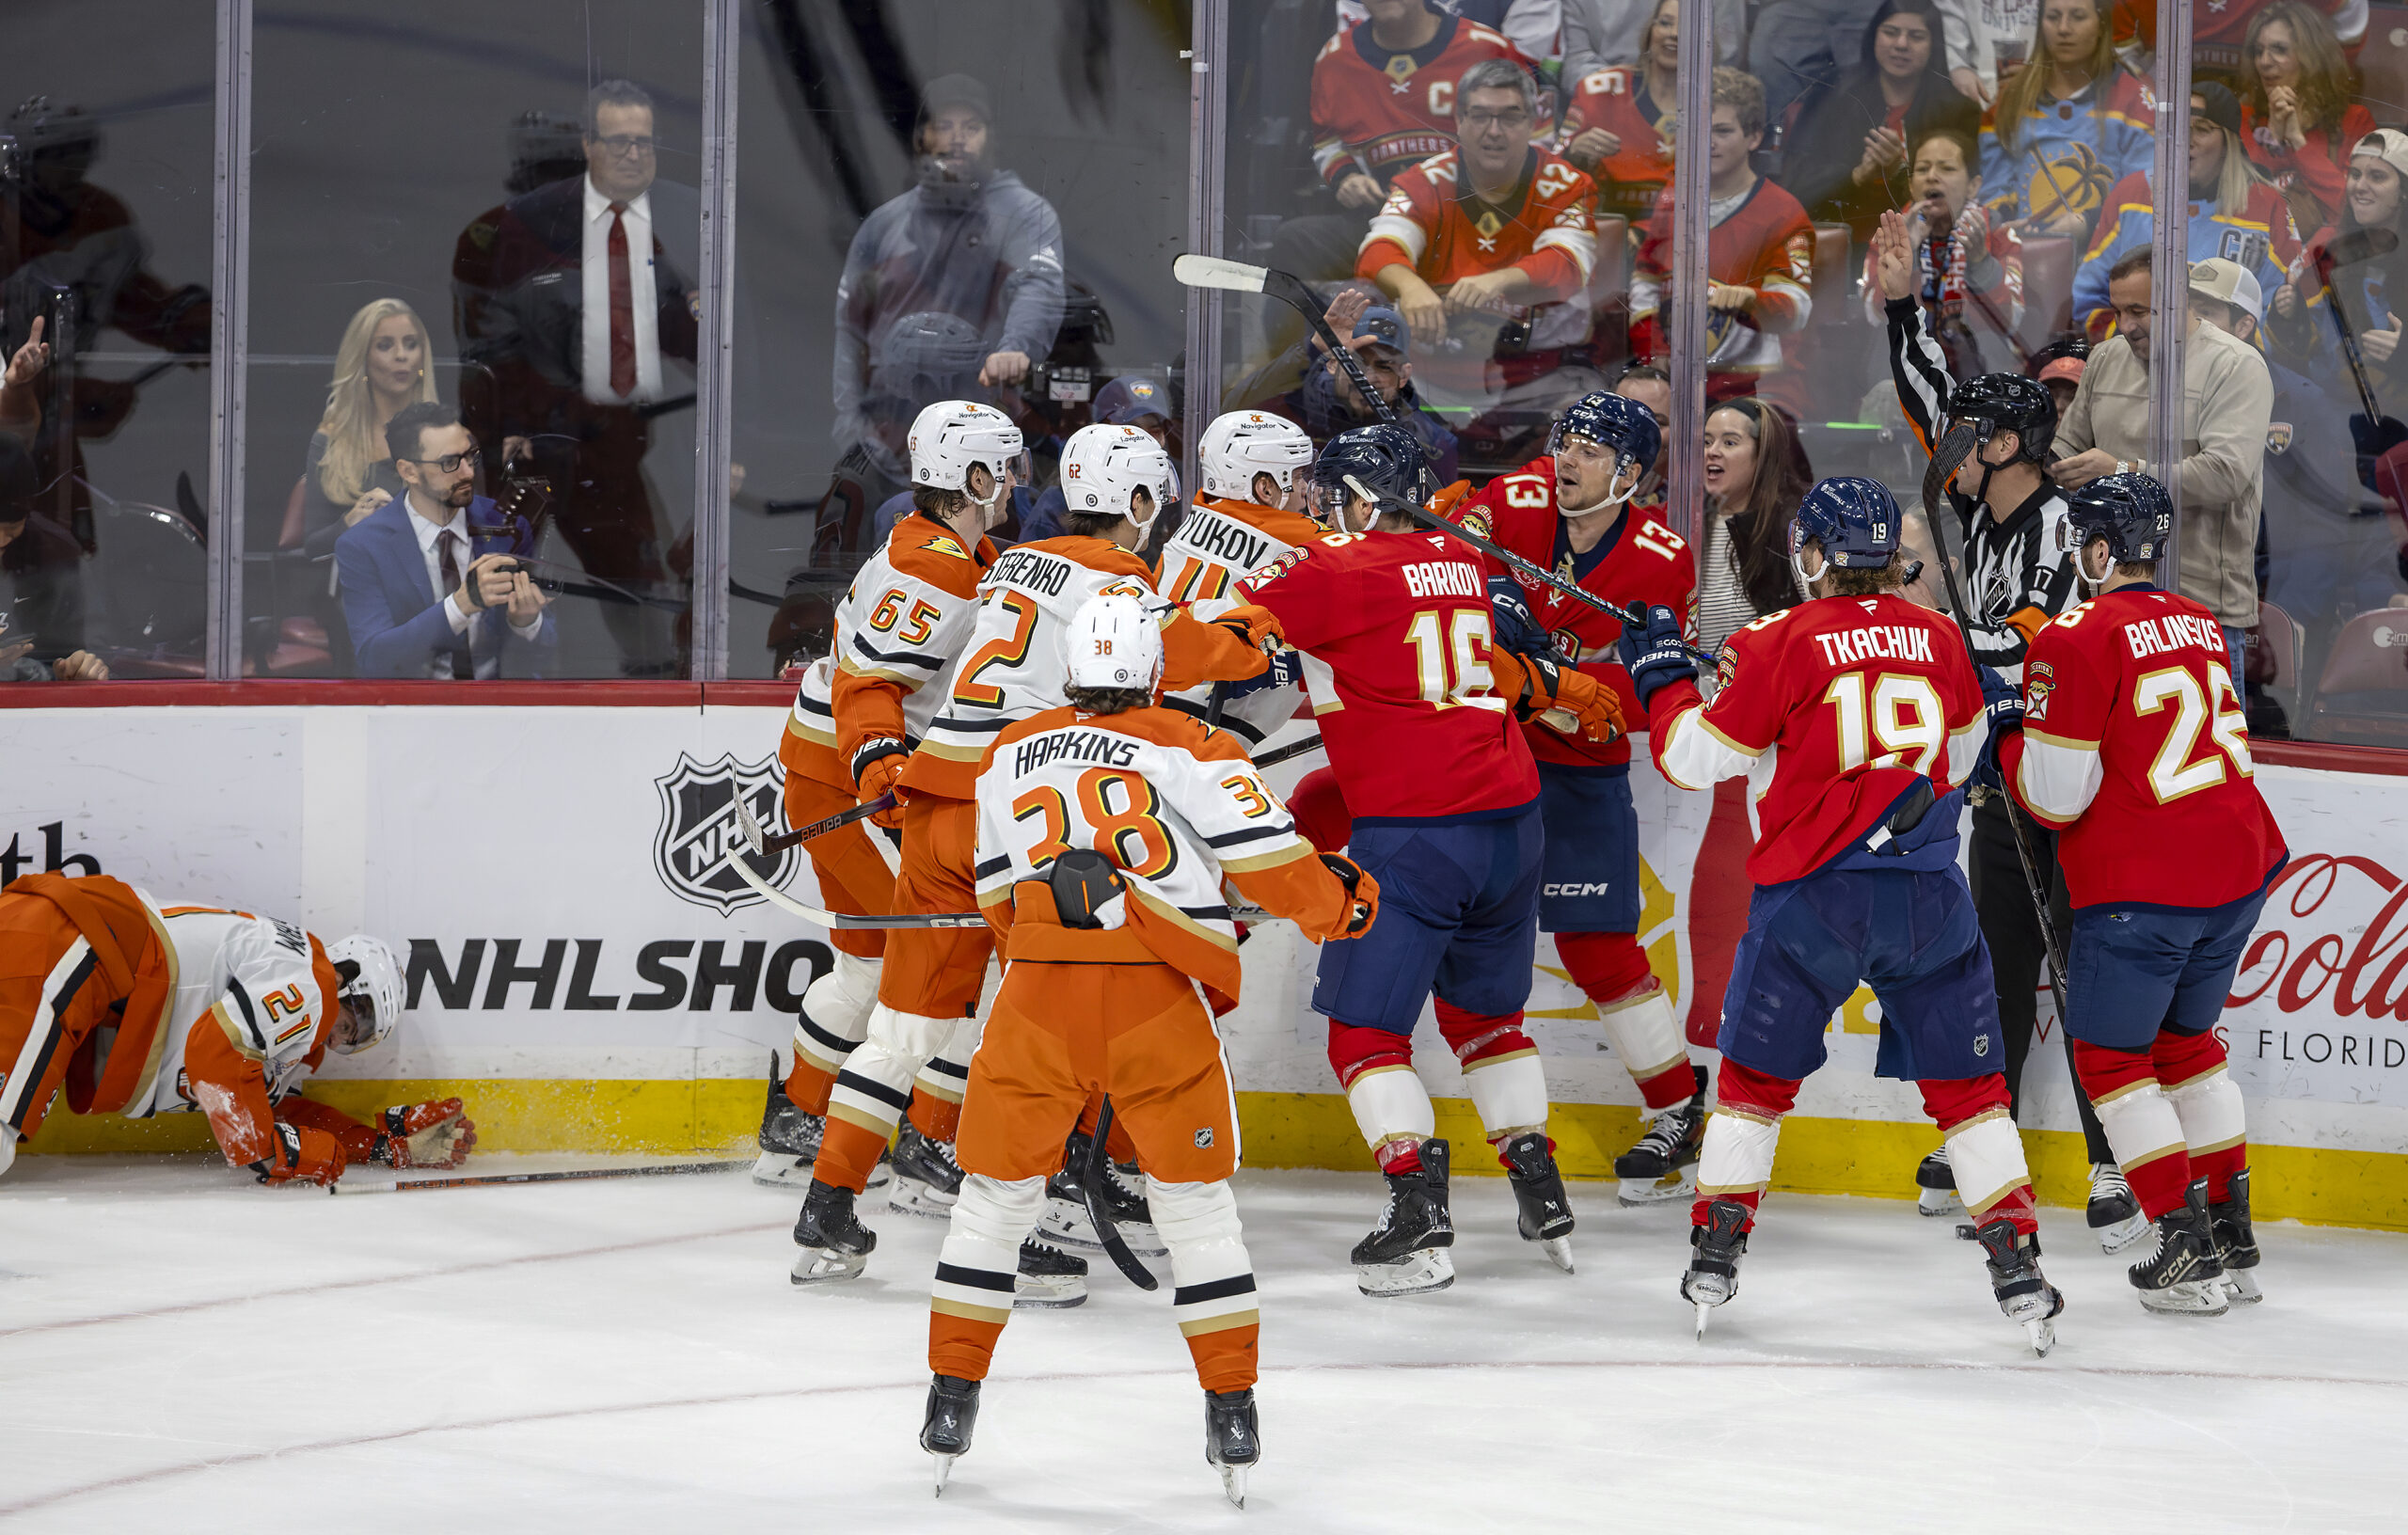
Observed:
{"x":181,"y":1350}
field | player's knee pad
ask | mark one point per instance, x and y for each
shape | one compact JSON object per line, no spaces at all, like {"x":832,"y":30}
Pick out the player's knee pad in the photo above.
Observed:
{"x":1392,"y":1107}
{"x":2210,"y":1111}
{"x":1737,"y":1158}
{"x":910,"y":1037}
{"x":1502,"y":1073}
{"x":997,"y":1211}
{"x":1950,"y":1101}
{"x":1200,"y":1221}
{"x":1986,"y":1155}
{"x":1756,"y":1094}
{"x":947,"y":1072}
{"x":976,"y":1265}
{"x":842,"y":999}
{"x":1608,"y":966}
{"x":1354,"y":1051}
{"x":2141,"y":1123}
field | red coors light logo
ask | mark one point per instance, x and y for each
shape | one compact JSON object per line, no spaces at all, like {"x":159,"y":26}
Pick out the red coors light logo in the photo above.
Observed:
{"x":2302,"y":962}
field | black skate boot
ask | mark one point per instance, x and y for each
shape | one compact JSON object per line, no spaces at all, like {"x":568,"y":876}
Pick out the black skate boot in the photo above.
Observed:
{"x":2023,"y":1291}
{"x":2180,"y":1276}
{"x":952,"y":1417}
{"x":2115,"y":1216}
{"x":1543,"y":1214}
{"x":1050,"y":1278}
{"x":2235,"y":1243}
{"x":835,"y":1246}
{"x":1713,"y":1275}
{"x":1233,"y":1440}
{"x":1066,"y":1221}
{"x":926,"y":1179}
{"x":1936,"y":1186}
{"x":1657,"y":1170}
{"x":1406,"y":1253}
{"x":789,"y":1137}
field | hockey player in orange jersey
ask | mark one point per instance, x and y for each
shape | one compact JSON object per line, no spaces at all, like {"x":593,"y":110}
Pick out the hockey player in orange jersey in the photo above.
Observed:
{"x":1116,"y":480}
{"x":1106,"y":828}
{"x":130,"y":1007}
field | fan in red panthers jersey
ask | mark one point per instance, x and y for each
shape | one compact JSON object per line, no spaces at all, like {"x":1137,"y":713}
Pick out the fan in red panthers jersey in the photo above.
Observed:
{"x":2129,"y":735}
{"x":1417,"y":712}
{"x":1855,"y":714}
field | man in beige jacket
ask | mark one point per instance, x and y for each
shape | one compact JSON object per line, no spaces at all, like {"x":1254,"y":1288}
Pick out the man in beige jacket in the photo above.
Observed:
{"x":2231,"y":398}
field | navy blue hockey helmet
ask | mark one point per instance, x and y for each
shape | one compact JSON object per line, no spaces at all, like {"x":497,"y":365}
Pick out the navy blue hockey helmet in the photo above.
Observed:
{"x":1385,"y":460}
{"x":2131,"y":511}
{"x":1611,"y":421}
{"x":1855,"y":520}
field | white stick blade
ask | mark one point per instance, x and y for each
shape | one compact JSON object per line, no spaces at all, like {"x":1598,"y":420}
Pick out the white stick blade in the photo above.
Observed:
{"x":1215,"y":272}
{"x":754,"y":835}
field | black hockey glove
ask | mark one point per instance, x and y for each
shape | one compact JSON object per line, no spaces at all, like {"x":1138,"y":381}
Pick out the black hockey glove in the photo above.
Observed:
{"x":2002,"y":706}
{"x":1514,"y":627}
{"x":1656,"y":655}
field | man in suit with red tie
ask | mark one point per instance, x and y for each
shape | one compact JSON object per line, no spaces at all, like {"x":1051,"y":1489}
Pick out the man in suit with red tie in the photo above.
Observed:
{"x":567,"y":367}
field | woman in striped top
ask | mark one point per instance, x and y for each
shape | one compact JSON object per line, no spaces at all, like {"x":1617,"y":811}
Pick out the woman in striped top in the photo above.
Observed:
{"x":1755,"y":475}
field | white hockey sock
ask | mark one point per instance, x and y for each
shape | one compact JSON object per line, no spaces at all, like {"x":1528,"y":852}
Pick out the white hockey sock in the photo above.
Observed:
{"x":1987,"y":1156}
{"x":2141,"y":1124}
{"x":977,"y":1266}
{"x":875,"y":1086}
{"x":947,"y":1072}
{"x":835,"y":1012}
{"x":1509,"y":1092}
{"x":1392,"y":1105}
{"x":1648,"y":1042}
{"x":1211,"y":1274}
{"x":2210,"y":1111}
{"x":1737,"y":1157}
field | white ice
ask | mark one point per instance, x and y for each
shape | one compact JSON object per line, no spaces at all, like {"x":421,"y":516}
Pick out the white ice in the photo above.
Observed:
{"x":181,"y":1349}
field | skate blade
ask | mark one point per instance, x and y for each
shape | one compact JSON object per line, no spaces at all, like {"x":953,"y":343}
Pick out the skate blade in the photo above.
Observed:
{"x":820,"y":1266}
{"x":1415,"y":1274}
{"x":1639,"y":1193}
{"x":1936,"y":1202}
{"x":2122,"y":1234}
{"x":1233,"y":1482}
{"x":2043,"y":1332}
{"x":910,"y":1196}
{"x":1704,"y":1309}
{"x":2191,"y":1298}
{"x":944,"y":1469}
{"x":1559,"y":1252}
{"x":782,"y":1170}
{"x":1066,"y":1225}
{"x":1049,"y":1294}
{"x":2242,"y":1288}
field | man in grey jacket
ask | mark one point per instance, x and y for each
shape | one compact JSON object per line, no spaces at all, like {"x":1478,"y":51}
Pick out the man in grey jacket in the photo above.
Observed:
{"x":2230,"y":400}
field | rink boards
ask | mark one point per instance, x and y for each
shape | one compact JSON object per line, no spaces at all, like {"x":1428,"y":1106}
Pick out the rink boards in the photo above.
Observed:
{"x":588,"y":972}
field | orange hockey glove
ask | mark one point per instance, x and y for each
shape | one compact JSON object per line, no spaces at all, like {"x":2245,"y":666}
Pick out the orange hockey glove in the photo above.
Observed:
{"x":437,"y":1134}
{"x":1257,"y":627}
{"x":299,"y":1155}
{"x":876,"y":768}
{"x":1363,"y":906}
{"x":1565,"y":699}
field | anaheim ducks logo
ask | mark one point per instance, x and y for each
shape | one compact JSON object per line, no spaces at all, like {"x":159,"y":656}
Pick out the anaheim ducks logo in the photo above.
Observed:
{"x":2075,"y":180}
{"x":948,"y":544}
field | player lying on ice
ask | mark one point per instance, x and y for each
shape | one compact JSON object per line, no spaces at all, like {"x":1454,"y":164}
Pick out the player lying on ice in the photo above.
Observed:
{"x":1421,"y":717}
{"x":1856,"y":716}
{"x":1106,"y":828}
{"x":2129,"y":735}
{"x":136,"y":1008}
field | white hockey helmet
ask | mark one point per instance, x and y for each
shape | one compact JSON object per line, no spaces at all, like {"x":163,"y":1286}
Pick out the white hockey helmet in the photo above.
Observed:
{"x":952,"y":435}
{"x":1104,"y":467}
{"x":1114,"y":643}
{"x":374,"y":993}
{"x":1244,"y":443}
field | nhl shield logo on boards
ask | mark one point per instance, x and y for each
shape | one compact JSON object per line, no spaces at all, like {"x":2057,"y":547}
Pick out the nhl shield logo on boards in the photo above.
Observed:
{"x":699,"y":837}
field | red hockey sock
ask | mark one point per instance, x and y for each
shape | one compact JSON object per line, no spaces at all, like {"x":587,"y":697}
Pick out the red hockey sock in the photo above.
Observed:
{"x":1319,"y":806}
{"x":1609,"y":967}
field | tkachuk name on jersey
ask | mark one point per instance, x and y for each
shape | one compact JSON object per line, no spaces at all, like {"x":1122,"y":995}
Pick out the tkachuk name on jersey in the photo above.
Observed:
{"x":1885,"y":641}
{"x":1046,"y":573}
{"x":1226,"y":539}
{"x":2171,"y":632}
{"x":1444,"y":579}
{"x":1074,"y":746}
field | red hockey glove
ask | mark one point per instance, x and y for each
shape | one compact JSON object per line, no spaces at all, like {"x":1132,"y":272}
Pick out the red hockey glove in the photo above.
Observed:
{"x":435,"y":1135}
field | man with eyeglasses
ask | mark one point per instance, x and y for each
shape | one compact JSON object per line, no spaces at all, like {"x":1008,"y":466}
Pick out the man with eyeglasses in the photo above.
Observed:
{"x":571,"y":361}
{"x":435,"y":584}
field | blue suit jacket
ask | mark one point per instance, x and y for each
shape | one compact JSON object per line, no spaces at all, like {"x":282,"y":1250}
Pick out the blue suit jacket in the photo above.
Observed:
{"x":397,"y":622}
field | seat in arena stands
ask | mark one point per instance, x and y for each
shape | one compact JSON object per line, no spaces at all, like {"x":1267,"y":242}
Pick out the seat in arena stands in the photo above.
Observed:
{"x":2363,"y":695}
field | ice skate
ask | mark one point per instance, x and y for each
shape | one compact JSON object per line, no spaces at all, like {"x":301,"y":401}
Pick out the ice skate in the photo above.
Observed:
{"x":2236,"y":1242}
{"x":1066,"y":1221}
{"x":1936,"y":1186}
{"x":835,"y":1246}
{"x":1713,"y":1275}
{"x":1661,"y":1168}
{"x":1406,"y":1253}
{"x":2180,"y":1276}
{"x":952,"y":1417}
{"x":789,"y":1138}
{"x":926,"y":1179}
{"x":2023,"y":1291}
{"x":1049,"y":1278}
{"x":1542,"y":1214}
{"x":2115,"y":1215}
{"x":1232,"y":1441}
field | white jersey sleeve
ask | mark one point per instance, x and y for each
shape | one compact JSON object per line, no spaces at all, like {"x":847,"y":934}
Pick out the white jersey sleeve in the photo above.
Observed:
{"x":906,"y":619}
{"x":1215,"y":549}
{"x":254,"y":979}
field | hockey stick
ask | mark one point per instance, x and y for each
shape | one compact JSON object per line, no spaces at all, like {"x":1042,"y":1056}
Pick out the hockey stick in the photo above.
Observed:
{"x":1239,"y":277}
{"x":785,"y":902}
{"x":1287,"y":753}
{"x":659,"y":1170}
{"x":763,"y":845}
{"x":1091,"y":1188}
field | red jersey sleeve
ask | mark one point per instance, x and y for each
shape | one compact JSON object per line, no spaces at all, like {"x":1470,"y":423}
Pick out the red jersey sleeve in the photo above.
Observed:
{"x":1403,"y":228}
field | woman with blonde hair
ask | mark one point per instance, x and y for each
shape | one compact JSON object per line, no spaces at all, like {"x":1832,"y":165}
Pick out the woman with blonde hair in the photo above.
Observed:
{"x":383,"y":364}
{"x":2067,"y":126}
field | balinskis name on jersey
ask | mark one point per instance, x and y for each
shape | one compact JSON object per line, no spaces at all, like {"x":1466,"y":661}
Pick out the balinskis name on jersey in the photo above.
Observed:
{"x":2170,"y":634}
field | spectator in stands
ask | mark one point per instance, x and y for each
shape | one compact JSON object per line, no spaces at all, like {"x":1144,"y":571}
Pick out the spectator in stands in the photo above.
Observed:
{"x":1798,"y":44}
{"x":41,"y":587}
{"x":2304,"y":330}
{"x":384,"y":362}
{"x":1847,"y":159}
{"x":1601,"y":34}
{"x":432,"y":581}
{"x":1755,"y":476}
{"x":1987,"y":41}
{"x":1653,"y":388}
{"x":2067,"y":127}
{"x":1617,"y":120}
{"x":2298,"y":121}
{"x":1760,"y":254}
{"x":1485,"y":251}
{"x":2233,"y":214}
{"x":20,"y":402}
{"x":1533,"y":26}
{"x":2062,"y":377}
{"x":1969,"y":271}
{"x":2230,"y":403}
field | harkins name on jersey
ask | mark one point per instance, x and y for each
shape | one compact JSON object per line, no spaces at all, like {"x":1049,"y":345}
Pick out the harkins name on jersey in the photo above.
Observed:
{"x":1113,"y":751}
{"x":1879,"y":641}
{"x":1444,"y":579}
{"x":1046,"y":573}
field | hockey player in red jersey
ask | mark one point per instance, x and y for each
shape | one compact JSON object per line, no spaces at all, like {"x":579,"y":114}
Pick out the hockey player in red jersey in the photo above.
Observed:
{"x":2129,"y":736}
{"x":1856,"y":716}
{"x":1570,"y":513}
{"x":1417,"y":714}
